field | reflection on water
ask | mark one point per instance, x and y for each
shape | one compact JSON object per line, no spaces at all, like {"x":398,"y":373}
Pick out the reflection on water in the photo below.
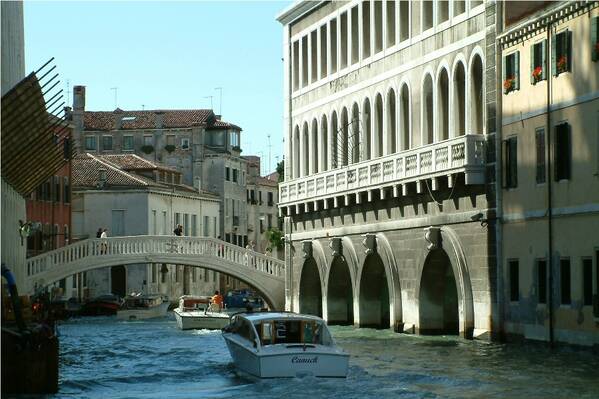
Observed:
{"x":102,"y":357}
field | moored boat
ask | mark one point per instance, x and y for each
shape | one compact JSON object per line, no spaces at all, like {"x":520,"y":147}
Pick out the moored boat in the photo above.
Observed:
{"x":103,"y":305}
{"x":194,"y":313}
{"x":283,"y":344}
{"x":140,"y":307}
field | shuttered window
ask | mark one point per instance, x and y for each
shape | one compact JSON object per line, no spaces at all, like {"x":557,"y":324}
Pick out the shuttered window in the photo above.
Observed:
{"x":563,"y":152}
{"x":511,"y":72}
{"x":542,"y":280}
{"x":594,"y":38}
{"x":514,"y":281}
{"x":510,"y":163}
{"x":540,"y":149}
{"x":566,"y":291}
{"x":561,"y":53}
{"x":538,"y":64}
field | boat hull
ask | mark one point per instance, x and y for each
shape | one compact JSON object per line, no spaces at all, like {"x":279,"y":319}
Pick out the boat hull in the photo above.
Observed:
{"x":290,"y":363}
{"x":197,"y":320}
{"x":143,"y":313}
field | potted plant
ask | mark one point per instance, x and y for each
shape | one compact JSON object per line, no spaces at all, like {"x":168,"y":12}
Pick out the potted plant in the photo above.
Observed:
{"x":562,"y":64}
{"x":147,"y":149}
{"x":509,"y":84}
{"x":275,"y":238}
{"x":169,"y":147}
{"x":537,"y":74}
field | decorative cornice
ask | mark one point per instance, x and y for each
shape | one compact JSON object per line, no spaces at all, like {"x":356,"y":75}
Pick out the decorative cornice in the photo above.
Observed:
{"x":297,"y":10}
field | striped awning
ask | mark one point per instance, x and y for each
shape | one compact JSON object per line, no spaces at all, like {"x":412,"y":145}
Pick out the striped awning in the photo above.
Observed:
{"x":35,"y":140}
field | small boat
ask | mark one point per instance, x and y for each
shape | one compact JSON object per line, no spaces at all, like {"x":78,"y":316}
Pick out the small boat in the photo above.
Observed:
{"x":103,"y":305}
{"x":243,"y":300}
{"x":194,"y":313}
{"x":140,"y":307}
{"x":284,"y":344}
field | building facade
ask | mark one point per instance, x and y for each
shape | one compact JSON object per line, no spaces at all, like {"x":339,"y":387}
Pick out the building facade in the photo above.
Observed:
{"x":129,"y":196}
{"x":388,"y":196}
{"x":550,"y":156}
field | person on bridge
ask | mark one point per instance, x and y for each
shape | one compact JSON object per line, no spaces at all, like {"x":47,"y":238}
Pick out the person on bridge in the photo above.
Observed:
{"x":104,"y":243}
{"x":99,"y":233}
{"x":216,"y":302}
{"x":178,"y":230}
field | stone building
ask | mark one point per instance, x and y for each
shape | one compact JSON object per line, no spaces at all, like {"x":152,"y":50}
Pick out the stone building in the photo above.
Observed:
{"x":550,"y":192}
{"x":202,"y":147}
{"x":130,"y":196}
{"x":388,"y":195}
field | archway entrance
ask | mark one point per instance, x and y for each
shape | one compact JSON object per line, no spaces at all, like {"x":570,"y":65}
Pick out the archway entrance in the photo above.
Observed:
{"x":118,"y":280}
{"x":374,"y":294}
{"x":310,"y":294}
{"x":340,"y":299}
{"x":438,"y":301}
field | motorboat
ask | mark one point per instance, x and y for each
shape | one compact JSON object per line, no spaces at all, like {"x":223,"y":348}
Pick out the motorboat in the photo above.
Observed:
{"x":243,"y":300}
{"x":102,"y":305}
{"x":194,"y":312}
{"x":140,"y":307}
{"x":284,"y":344}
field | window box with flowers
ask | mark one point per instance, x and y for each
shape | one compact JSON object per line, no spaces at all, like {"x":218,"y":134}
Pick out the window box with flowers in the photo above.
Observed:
{"x":509,"y":84}
{"x":561,"y":51}
{"x":147,"y":149}
{"x":511,"y":72}
{"x":537,"y":62}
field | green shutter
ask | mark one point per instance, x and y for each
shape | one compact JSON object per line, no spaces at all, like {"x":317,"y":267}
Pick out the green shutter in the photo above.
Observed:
{"x":504,"y":172}
{"x":532,"y":63}
{"x":568,"y":151}
{"x":553,"y":56}
{"x":503,"y":71}
{"x":568,"y":39}
{"x":594,"y":39}
{"x":544,"y":59}
{"x":517,"y":70}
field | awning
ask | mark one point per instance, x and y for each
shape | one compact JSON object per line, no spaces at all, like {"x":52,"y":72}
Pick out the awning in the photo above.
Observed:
{"x":35,"y":140}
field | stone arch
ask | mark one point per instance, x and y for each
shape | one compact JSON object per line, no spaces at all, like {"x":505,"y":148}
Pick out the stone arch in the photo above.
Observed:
{"x":405,"y":117}
{"x":344,"y":145}
{"x":305,"y":151}
{"x":427,"y":110}
{"x":386,"y":252}
{"x":378,"y":113}
{"x":296,"y":153}
{"x":366,"y":125}
{"x":374,"y":296}
{"x":314,"y":148}
{"x":453,"y":249}
{"x":476,"y":92}
{"x":334,"y":140}
{"x":357,"y":130}
{"x":324,"y":143}
{"x":442,"y":104}
{"x":391,"y":122}
{"x":310,"y":288}
{"x":458,"y":111}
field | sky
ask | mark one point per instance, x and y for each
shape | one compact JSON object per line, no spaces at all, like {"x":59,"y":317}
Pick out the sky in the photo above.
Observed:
{"x":169,"y":55}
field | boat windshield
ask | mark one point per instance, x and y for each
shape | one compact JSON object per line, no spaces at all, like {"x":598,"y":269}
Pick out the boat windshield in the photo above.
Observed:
{"x":293,"y":332}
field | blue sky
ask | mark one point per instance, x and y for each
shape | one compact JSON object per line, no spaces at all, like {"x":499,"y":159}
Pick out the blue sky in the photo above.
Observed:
{"x":169,"y":55}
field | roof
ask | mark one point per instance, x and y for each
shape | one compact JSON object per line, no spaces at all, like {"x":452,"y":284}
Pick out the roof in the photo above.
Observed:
{"x":262,"y":316}
{"x":105,"y":120}
{"x":263,"y":181}
{"x":296,"y":10}
{"x":131,"y":162}
{"x":151,"y":119}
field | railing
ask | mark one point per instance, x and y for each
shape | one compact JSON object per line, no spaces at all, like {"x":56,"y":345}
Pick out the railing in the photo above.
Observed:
{"x":463,"y":153}
{"x":176,"y":247}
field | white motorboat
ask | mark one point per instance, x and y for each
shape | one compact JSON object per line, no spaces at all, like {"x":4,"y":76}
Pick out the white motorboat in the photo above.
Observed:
{"x":194,"y":312}
{"x":282,"y":344}
{"x":139,"y":307}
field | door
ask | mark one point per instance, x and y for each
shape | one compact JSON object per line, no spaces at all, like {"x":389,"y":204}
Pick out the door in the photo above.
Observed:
{"x":118,"y":223}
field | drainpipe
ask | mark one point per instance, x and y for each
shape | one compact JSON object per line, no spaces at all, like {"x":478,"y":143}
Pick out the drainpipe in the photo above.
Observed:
{"x":549,"y":191}
{"x":498,"y":175}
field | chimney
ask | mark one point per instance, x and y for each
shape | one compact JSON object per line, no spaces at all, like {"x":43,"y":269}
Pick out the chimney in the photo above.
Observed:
{"x":159,"y":121}
{"x":79,"y":98}
{"x":101,"y":177}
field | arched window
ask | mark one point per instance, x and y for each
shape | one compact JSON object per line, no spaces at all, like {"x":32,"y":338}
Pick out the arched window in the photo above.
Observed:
{"x":344,"y":141}
{"x":427,"y":110}
{"x":443,"y":105}
{"x":476,"y":96}
{"x":357,"y":129}
{"x":391,"y":126}
{"x":55,"y":236}
{"x":367,"y":130}
{"x":296,"y":153}
{"x":377,"y":150}
{"x":324,"y":144}
{"x":314,"y":166}
{"x":459,"y":100}
{"x":305,"y":151}
{"x":404,"y":117}
{"x":334,"y":141}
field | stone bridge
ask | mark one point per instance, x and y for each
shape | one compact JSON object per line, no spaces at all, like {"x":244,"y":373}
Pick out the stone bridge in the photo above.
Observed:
{"x":264,"y":273}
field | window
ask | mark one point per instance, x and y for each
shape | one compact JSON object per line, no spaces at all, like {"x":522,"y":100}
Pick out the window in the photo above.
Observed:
{"x":234,"y":138}
{"x":269,"y":225}
{"x":333,"y":46}
{"x":227,"y":174}
{"x":206,"y":227}
{"x":459,"y":6}
{"x":90,"y":143}
{"x":427,"y":14}
{"x":154,"y":222}
{"x":127,"y":143}
{"x":510,"y":163}
{"x":177,"y":218}
{"x":57,"y":189}
{"x":149,"y":140}
{"x":561,"y":54}
{"x":185,"y":144}
{"x":186,"y":224}
{"x":67,"y":237}
{"x":295,"y":65}
{"x":594,"y":39}
{"x":542,"y":280}
{"x":107,"y":143}
{"x":235,"y":175}
{"x":313,"y":56}
{"x":355,"y":35}
{"x":194,"y":225}
{"x":442,"y":11}
{"x":404,"y":20}
{"x":565,"y":281}
{"x":365,"y":28}
{"x":511,"y":72}
{"x":514,"y":281}
{"x":170,"y":139}
{"x":261,"y":224}
{"x":164,"y":224}
{"x":538,"y":64}
{"x":587,"y":281}
{"x":540,"y":148}
{"x":562,"y":152}
{"x":193,"y":274}
{"x":259,"y":197}
{"x":270,"y":199}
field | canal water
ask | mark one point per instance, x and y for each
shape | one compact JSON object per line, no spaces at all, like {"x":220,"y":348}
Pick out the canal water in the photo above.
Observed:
{"x":106,"y":358}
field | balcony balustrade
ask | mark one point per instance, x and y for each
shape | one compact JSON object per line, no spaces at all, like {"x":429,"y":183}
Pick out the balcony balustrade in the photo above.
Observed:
{"x":463,"y":154}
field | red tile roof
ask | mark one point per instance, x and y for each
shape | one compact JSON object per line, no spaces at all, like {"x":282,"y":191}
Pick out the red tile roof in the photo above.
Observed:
{"x":105,"y":120}
{"x":135,"y":162}
{"x":223,"y":125}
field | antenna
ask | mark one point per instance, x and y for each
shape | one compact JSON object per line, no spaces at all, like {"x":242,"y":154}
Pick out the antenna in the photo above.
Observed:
{"x":220,"y":105}
{"x":269,"y":147}
{"x":115,"y":96}
{"x":68,"y":92}
{"x":210,"y":97}
{"x":143,"y":107}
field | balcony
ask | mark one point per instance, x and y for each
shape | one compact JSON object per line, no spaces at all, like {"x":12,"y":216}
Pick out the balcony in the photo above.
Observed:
{"x":463,"y":154}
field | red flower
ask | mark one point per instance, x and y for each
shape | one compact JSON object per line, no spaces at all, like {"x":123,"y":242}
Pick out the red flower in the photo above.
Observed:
{"x":509,"y":83}
{"x":562,"y":63}
{"x":537,"y":73}
{"x":597,"y":48}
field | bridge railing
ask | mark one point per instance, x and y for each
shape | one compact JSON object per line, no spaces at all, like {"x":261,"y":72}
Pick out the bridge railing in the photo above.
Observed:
{"x":155,"y":245}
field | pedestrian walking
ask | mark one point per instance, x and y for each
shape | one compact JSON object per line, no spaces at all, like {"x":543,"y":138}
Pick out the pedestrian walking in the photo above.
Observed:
{"x":221,"y":247}
{"x":99,"y":232}
{"x":104,"y":243}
